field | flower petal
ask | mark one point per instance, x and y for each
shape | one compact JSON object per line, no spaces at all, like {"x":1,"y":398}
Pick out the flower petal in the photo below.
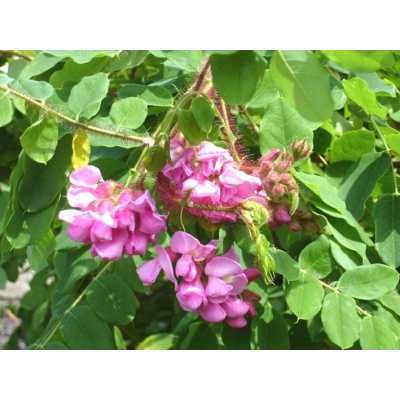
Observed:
{"x":166,"y":264}
{"x":87,"y":177}
{"x":235,"y":307}
{"x":149,"y":271}
{"x":183,"y":243}
{"x":212,"y":312}
{"x":217,"y":287}
{"x":112,"y":249}
{"x":221,"y":266}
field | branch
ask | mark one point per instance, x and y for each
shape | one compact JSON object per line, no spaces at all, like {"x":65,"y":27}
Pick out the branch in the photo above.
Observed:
{"x":79,"y":124}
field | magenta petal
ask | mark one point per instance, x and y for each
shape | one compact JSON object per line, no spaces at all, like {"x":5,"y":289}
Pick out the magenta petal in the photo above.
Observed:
{"x":238,"y":282}
{"x":203,"y":252}
{"x":143,"y":203}
{"x":80,"y":198}
{"x":252,"y":274}
{"x":217,"y":287}
{"x":212,"y":312}
{"x":221,"y":266}
{"x":166,"y":264}
{"x":112,"y":249}
{"x":79,"y":230}
{"x":149,"y":271}
{"x":100,"y":231}
{"x":69,"y":215}
{"x":238,"y":323}
{"x":235,"y":307}
{"x":186,"y":268}
{"x":231,"y":253}
{"x":190,"y":295}
{"x":183,"y":243}
{"x":87,"y":176}
{"x":137,"y":243}
{"x":151,"y":223}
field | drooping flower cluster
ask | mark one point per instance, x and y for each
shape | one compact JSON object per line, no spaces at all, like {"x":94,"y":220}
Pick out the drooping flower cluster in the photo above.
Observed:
{"x":114,"y":219}
{"x":205,"y":177}
{"x":212,"y":286}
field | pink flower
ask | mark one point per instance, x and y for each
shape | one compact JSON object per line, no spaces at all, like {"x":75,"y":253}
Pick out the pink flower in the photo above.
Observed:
{"x":114,"y":219}
{"x":209,"y":285}
{"x":203,"y":177}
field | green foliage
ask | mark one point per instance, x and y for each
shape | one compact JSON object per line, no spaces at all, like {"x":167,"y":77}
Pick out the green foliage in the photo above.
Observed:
{"x":336,"y":282}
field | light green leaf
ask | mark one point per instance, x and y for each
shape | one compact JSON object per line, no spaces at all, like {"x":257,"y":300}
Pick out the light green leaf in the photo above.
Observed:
{"x":112,"y":300}
{"x":387,"y":229}
{"x":129,"y":113}
{"x":391,"y":300}
{"x":377,"y":334}
{"x":6,"y":110}
{"x":82,"y":56}
{"x":304,"y":296}
{"x":236,"y":76}
{"x":340,"y":319}
{"x":152,"y":95}
{"x":285,"y":265}
{"x":393,"y":141}
{"x":83,"y":330}
{"x":316,"y":257}
{"x":265,"y":93}
{"x":158,"y":341}
{"x":361,"y":60}
{"x":127,"y":59}
{"x":86,"y":96}
{"x":369,"y":282}
{"x":379,"y":86}
{"x":352,"y":145}
{"x":39,"y":252}
{"x":300,"y":76}
{"x":346,"y":258}
{"x":39,"y":90}
{"x":358,"y":91}
{"x":39,"y":141}
{"x":281,"y":124}
{"x":41,"y":63}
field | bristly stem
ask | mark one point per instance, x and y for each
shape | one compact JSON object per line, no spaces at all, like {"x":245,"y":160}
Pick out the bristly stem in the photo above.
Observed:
{"x":387,"y":149}
{"x":16,"y":53}
{"x":243,"y":110}
{"x":90,"y":128}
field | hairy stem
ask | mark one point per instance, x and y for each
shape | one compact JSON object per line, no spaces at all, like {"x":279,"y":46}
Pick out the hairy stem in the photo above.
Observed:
{"x":90,"y":128}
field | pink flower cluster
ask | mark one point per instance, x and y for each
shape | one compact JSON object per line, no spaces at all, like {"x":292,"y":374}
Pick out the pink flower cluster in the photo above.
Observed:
{"x":206,"y":176}
{"x":278,"y":183}
{"x":114,"y":219}
{"x":212,"y":286}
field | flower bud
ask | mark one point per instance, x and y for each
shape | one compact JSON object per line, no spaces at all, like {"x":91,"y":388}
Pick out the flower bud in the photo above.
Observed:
{"x":300,"y":149}
{"x":256,"y":212}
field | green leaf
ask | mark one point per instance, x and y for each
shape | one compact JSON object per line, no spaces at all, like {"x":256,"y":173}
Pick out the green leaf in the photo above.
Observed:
{"x":379,"y":86}
{"x":369,"y":282}
{"x":377,"y":334}
{"x":188,"y":126}
{"x":352,"y":145}
{"x":39,"y":141}
{"x":271,"y":335}
{"x":41,"y":184}
{"x":360,"y":60}
{"x":152,"y":95}
{"x":340,"y":319}
{"x":346,"y":258}
{"x":112,"y":300}
{"x":82,"y":56}
{"x":86,"y":96}
{"x":265,"y":93}
{"x":393,"y":141}
{"x":391,"y":300}
{"x":316,"y":258}
{"x":39,"y":90}
{"x":285,"y":265}
{"x":83,"y":330}
{"x":300,"y":76}
{"x":387,"y":228}
{"x":358,"y":91}
{"x":39,"y":252}
{"x":6,"y":110}
{"x":304,"y":296}
{"x":359,"y":182}
{"x":127,"y":59}
{"x":158,"y":341}
{"x":129,"y":113}
{"x":3,"y":278}
{"x":281,"y":124}
{"x":203,"y":113}
{"x":187,"y":60}
{"x":236,"y":76}
{"x":41,"y":63}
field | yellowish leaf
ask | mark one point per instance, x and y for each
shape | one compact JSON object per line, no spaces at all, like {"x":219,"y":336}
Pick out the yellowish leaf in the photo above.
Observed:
{"x":80,"y":150}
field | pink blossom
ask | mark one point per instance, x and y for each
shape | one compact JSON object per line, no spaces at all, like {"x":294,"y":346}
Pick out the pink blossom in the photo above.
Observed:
{"x":113,"y":219}
{"x":212,"y":286}
{"x":203,"y":177}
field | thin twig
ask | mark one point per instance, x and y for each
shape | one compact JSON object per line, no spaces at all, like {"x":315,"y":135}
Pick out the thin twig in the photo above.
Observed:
{"x":79,"y":124}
